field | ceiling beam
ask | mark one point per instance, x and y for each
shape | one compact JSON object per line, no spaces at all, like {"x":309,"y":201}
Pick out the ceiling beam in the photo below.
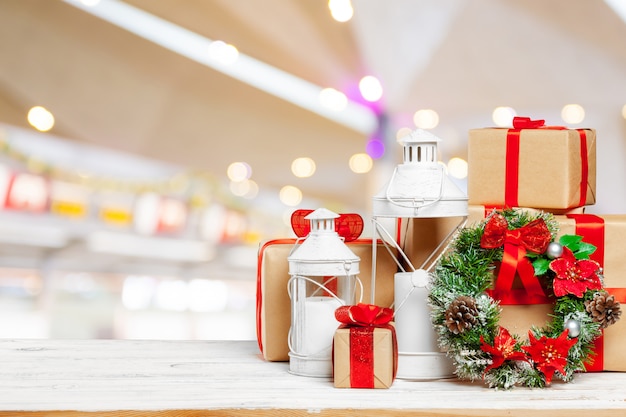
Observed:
{"x":246,"y":69}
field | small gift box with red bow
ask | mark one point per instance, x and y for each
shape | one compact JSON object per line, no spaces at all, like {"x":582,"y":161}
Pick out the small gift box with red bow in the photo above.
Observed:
{"x":365,"y":351}
{"x":532,"y":165}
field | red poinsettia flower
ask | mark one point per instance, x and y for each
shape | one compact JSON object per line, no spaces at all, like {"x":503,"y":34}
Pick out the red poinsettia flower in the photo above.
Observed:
{"x":574,"y":276}
{"x":503,"y":349}
{"x":549,"y":354}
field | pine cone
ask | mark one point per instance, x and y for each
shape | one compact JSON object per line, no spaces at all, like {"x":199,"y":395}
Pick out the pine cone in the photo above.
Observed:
{"x":603,"y":309}
{"x":462,"y":314}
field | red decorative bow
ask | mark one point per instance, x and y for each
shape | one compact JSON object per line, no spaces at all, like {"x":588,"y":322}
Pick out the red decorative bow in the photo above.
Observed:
{"x":349,"y":225}
{"x":364,"y":315}
{"x":534,"y":237}
{"x":527,"y":123}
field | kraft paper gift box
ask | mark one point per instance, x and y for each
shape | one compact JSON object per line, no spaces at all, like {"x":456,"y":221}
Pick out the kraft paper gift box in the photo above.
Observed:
{"x":546,"y":168}
{"x":606,"y":232}
{"x":364,"y":357}
{"x":273,"y":309}
{"x":420,"y":238}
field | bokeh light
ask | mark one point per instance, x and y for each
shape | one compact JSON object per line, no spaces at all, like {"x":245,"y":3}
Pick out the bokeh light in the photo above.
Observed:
{"x":290,"y":195}
{"x":341,"y":10}
{"x":402,"y":132}
{"x":375,"y":148}
{"x":223,"y":52}
{"x":333,"y":99}
{"x":238,"y":171}
{"x":40,"y":118}
{"x":426,"y":119}
{"x":457,"y":167}
{"x":361,"y":163}
{"x":573,"y":113}
{"x":303,"y":167}
{"x":370,"y":88}
{"x":503,"y":116}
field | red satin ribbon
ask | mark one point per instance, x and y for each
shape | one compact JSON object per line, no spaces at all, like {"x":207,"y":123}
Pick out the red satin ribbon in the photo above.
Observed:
{"x":535,"y":237}
{"x":591,"y":228}
{"x":362,"y":319}
{"x":511,"y":175}
{"x":584,"y":174}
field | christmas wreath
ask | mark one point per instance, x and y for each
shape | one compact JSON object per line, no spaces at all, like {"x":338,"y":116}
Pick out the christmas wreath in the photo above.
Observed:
{"x":475,"y":277}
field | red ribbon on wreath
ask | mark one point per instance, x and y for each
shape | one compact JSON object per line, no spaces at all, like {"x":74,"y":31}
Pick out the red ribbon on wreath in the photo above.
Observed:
{"x":534,"y":237}
{"x":362,"y":319}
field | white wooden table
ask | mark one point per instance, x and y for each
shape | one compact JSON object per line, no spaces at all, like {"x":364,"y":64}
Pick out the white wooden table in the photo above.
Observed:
{"x":195,"y":378}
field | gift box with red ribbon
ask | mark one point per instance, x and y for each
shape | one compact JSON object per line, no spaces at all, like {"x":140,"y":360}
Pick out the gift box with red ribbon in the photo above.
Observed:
{"x":532,"y":165}
{"x":606,"y":233}
{"x":365,"y":351}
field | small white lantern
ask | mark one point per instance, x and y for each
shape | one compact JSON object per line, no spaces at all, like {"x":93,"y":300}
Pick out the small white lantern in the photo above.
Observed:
{"x":323,"y":274}
{"x":418,"y":188}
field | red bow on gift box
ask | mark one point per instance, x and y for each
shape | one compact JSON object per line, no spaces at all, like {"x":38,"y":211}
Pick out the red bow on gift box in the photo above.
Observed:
{"x":527,"y":123}
{"x":364,"y":315}
{"x":534,"y":237}
{"x":348,"y":225}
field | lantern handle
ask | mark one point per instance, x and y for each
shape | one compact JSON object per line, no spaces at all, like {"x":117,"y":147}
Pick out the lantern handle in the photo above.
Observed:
{"x":323,"y":287}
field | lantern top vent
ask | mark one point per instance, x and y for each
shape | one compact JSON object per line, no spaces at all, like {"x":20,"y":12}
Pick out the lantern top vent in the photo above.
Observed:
{"x":322,"y":221}
{"x":419,"y":147}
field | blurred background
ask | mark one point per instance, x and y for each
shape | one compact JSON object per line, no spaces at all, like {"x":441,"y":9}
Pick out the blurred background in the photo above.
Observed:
{"x":147,"y":147}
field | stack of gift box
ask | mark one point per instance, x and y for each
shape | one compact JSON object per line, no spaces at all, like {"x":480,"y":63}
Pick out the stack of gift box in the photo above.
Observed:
{"x":531,"y":167}
{"x":552,"y":169}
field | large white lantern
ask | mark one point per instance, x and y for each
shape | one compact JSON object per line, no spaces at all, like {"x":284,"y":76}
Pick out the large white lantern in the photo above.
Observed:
{"x":323,"y":274}
{"x":419,"y":188}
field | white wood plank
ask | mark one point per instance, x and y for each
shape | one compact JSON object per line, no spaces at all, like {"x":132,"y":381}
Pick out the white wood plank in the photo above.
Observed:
{"x":106,"y":375}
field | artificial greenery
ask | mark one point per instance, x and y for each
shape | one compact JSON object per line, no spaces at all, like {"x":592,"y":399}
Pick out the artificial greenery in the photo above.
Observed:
{"x":487,"y":351}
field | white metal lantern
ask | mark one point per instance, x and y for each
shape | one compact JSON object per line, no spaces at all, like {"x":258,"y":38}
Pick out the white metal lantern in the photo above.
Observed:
{"x":418,"y":188}
{"x":323,"y":274}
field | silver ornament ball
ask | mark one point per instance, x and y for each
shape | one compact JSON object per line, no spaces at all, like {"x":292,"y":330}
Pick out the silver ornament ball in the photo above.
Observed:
{"x":573,"y":327}
{"x":483,"y":296}
{"x":555,"y":250}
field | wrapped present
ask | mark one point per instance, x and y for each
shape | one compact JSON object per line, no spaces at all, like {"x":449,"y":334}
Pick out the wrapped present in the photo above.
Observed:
{"x":532,"y":165}
{"x":365,"y":351}
{"x":422,"y":239}
{"x":606,"y":232}
{"x":273,"y":305}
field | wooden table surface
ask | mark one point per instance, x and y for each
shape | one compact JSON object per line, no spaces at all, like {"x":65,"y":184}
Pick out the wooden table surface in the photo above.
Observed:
{"x":203,"y":378}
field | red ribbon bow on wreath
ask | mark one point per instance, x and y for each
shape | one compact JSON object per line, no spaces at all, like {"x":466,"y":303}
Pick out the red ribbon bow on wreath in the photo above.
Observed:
{"x":534,"y":237}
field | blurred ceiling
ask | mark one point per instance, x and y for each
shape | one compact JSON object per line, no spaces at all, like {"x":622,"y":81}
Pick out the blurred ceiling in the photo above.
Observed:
{"x":111,"y":88}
